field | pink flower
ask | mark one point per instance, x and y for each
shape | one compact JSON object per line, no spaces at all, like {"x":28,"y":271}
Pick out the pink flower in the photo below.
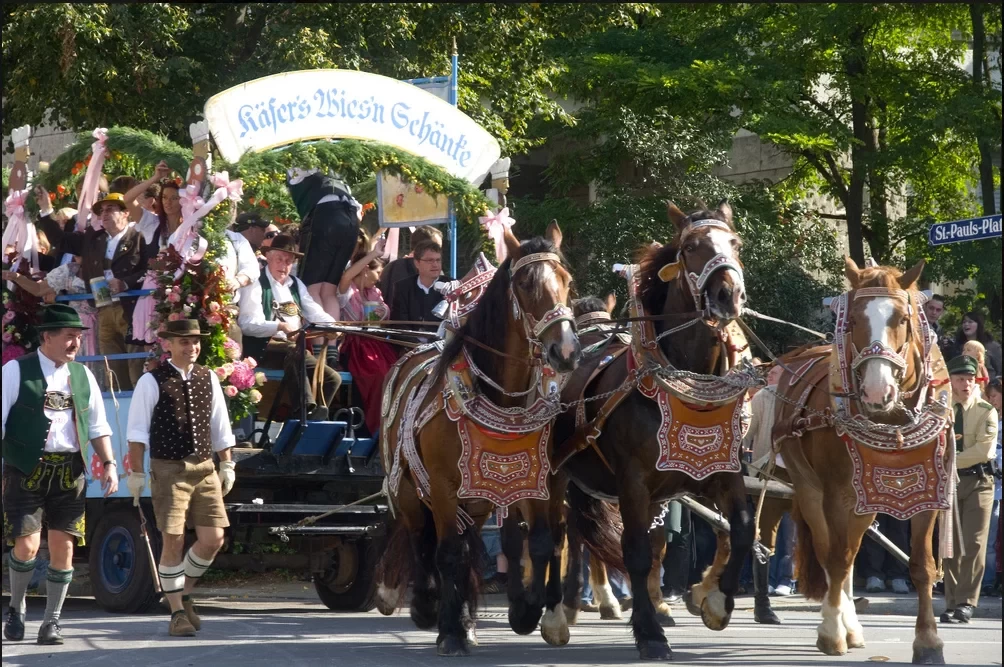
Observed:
{"x":251,"y":362}
{"x":12,"y":352}
{"x":9,"y":316}
{"x":254,"y":396}
{"x":7,"y":337}
{"x":260,"y":378}
{"x":213,"y":306}
{"x":242,"y":376}
{"x":232,"y":349}
{"x":192,"y":299}
{"x":174,"y":317}
{"x":221,"y":373}
{"x":214,"y":319}
{"x":230,"y":390}
{"x":174,"y":297}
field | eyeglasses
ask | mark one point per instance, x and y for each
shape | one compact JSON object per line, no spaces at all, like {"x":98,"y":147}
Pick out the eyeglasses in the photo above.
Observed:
{"x":437,"y":260}
{"x":271,"y":235}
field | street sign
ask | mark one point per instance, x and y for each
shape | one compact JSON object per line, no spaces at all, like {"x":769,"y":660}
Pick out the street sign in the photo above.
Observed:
{"x":957,"y":231}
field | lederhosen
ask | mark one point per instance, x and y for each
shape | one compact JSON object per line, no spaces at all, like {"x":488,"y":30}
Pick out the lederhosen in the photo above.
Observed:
{"x":256,"y":347}
{"x":38,"y":485}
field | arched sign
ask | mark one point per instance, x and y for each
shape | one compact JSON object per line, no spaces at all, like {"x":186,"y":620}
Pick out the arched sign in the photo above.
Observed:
{"x":332,"y":103}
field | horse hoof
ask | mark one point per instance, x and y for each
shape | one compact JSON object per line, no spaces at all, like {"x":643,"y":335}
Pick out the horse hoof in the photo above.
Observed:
{"x":714,"y":619}
{"x":610,"y":613}
{"x":855,"y":640}
{"x":929,"y":656}
{"x":571,"y":615}
{"x":688,"y":600}
{"x":387,"y":599}
{"x":665,"y":620}
{"x":472,"y":637}
{"x":523,"y":618}
{"x":554,"y":627}
{"x":831,"y":647}
{"x":654,"y":650}
{"x":452,"y":647}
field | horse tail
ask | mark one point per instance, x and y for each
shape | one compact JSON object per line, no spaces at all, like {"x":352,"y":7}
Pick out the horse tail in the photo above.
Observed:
{"x":394,"y":570}
{"x":599,"y":526}
{"x":809,"y":573}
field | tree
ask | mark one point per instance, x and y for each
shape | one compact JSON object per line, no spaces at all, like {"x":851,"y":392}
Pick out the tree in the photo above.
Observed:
{"x":152,"y":65}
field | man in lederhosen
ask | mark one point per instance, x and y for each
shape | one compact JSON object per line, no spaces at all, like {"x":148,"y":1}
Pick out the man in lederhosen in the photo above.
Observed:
{"x":975,"y":447}
{"x":179,"y":412}
{"x":52,"y":407}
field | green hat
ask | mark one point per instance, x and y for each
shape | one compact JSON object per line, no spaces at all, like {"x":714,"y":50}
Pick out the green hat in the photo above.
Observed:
{"x":59,"y":316}
{"x":963,"y":365}
{"x":182,"y":329}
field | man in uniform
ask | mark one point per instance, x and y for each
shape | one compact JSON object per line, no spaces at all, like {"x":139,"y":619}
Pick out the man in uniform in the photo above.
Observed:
{"x":178,"y":411}
{"x":276,"y":306}
{"x":975,"y":446}
{"x":53,"y":407}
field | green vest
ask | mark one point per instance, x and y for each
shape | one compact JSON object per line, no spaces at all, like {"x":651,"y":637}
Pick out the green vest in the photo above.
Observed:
{"x":28,"y":427}
{"x":254,"y":346}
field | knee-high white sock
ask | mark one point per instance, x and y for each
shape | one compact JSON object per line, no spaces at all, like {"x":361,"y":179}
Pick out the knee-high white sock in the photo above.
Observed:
{"x":172,"y":578}
{"x":195,"y":566}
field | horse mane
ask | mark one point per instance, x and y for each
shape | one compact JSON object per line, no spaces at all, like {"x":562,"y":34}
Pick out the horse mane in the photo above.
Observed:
{"x":879,"y":276}
{"x":490,"y":319}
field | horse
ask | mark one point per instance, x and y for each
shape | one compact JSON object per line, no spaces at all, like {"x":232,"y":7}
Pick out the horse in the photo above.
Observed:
{"x":498,"y":369}
{"x":866,"y":413}
{"x":610,"y":452}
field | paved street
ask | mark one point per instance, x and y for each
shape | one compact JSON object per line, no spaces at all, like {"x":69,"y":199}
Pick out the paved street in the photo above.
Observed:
{"x":243,"y":631}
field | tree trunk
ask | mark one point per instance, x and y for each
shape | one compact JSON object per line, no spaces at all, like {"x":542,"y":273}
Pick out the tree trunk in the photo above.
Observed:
{"x":878,"y":205}
{"x":854,"y":67}
{"x":986,"y":159}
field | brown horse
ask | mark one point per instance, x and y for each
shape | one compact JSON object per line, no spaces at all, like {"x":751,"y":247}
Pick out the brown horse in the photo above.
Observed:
{"x":520,"y":333}
{"x":835,"y":405}
{"x":696,"y":278}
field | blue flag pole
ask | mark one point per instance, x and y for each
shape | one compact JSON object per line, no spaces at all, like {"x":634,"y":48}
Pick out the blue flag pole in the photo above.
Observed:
{"x":452,"y":225}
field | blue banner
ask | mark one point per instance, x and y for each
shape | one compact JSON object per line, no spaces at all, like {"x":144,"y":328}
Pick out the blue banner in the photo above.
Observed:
{"x":957,"y":231}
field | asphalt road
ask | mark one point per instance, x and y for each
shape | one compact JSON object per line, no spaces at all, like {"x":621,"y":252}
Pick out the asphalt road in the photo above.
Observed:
{"x":245,"y":631}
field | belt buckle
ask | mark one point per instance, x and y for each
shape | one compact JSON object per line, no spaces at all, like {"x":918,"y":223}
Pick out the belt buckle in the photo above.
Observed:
{"x":57,"y":400}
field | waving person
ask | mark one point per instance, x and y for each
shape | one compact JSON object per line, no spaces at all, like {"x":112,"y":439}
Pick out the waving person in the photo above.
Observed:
{"x":360,"y":299}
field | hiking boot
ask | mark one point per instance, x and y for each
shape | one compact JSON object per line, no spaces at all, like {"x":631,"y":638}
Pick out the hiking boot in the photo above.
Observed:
{"x":50,"y":634}
{"x":180,"y":626}
{"x":193,"y":617}
{"x":13,"y":629}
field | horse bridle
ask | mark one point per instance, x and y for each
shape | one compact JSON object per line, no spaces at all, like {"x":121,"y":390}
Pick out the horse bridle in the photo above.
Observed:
{"x":533,"y":327}
{"x":876,"y":349}
{"x":694,"y":281}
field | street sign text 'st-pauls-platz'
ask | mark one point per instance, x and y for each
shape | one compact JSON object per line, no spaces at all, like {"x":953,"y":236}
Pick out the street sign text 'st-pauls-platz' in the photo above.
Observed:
{"x":957,"y":231}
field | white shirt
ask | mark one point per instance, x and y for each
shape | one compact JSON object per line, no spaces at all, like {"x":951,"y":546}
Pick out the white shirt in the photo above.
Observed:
{"x":423,"y":287}
{"x":148,"y":224}
{"x":240,"y":258}
{"x":113,"y":244}
{"x":63,"y":431}
{"x":145,"y":397}
{"x":251,"y":318}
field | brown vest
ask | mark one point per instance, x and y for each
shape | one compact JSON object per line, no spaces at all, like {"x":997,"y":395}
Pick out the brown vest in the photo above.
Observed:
{"x":180,"y":423}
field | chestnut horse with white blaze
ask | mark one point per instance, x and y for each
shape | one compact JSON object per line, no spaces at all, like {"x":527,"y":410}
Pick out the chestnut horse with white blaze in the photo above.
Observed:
{"x":861,"y":426}
{"x":494,"y":381}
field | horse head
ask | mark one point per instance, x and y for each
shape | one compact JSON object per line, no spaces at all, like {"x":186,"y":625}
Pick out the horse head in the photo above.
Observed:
{"x":883,"y":327}
{"x":539,"y":287}
{"x":708,"y":257}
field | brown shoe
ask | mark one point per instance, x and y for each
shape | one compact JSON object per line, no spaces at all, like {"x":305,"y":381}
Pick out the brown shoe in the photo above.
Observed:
{"x":588,"y":606}
{"x":193,"y":617}
{"x":626,"y":604}
{"x":180,"y":625}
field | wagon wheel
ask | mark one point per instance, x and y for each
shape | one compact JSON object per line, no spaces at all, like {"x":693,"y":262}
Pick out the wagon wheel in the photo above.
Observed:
{"x":349,"y":581}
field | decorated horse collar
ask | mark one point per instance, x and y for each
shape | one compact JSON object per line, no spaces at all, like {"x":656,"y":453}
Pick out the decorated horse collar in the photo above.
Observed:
{"x":530,"y":259}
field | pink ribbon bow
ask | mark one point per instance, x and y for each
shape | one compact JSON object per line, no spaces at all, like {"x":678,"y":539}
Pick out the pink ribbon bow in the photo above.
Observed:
{"x":20,"y":233}
{"x":186,"y":239}
{"x":495,"y":226}
{"x":89,"y":190}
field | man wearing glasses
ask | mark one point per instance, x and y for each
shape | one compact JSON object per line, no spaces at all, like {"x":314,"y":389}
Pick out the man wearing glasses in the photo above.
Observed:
{"x":414,"y":299}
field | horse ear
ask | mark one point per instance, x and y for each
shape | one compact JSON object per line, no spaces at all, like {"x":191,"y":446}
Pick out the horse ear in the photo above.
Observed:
{"x":852,"y":271}
{"x":676,"y":216}
{"x":553,"y":234}
{"x":725,"y":210}
{"x":910,"y":278}
{"x":611,"y":303}
{"x":511,"y":244}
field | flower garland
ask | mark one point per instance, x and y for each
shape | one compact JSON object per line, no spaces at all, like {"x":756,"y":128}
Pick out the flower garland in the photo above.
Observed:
{"x":20,"y":311}
{"x":200,"y":292}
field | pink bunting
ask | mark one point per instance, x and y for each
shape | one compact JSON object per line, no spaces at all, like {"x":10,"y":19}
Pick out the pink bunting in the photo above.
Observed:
{"x":495,"y":226}
{"x":89,"y":190}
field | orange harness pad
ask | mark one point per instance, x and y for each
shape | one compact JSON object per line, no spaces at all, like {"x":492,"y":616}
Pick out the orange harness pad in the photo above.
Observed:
{"x":502,"y":467}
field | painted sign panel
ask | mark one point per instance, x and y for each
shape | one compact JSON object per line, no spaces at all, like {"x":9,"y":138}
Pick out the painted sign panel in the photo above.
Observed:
{"x":344,"y":104}
{"x":117,"y":418}
{"x":957,"y":231}
{"x":403,"y":204}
